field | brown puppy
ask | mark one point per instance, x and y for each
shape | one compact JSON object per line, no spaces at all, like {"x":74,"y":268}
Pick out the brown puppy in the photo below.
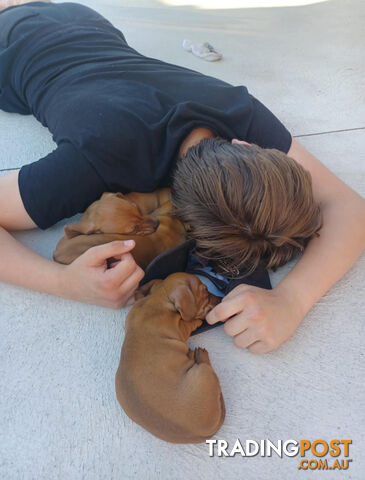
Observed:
{"x":169,"y":233}
{"x":118,"y":217}
{"x":115,"y":213}
{"x":168,"y":389}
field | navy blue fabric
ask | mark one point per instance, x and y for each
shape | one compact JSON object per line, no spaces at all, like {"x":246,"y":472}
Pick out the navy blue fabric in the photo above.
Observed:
{"x":177,"y":260}
{"x":117,"y":116}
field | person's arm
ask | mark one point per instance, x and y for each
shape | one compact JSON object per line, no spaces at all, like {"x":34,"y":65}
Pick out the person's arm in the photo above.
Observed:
{"x":87,"y":279}
{"x":342,"y":237}
{"x":263,"y":319}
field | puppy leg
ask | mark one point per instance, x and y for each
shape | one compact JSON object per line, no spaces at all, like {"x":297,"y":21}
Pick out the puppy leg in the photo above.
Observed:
{"x":84,"y":227}
{"x":204,"y":395}
{"x":148,"y":202}
{"x":201,"y":356}
{"x":191,"y":354}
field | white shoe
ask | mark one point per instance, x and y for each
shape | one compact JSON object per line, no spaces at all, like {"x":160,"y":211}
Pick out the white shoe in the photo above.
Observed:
{"x":204,"y":50}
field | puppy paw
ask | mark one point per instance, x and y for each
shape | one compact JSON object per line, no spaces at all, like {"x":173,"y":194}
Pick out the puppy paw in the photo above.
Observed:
{"x":201,"y":355}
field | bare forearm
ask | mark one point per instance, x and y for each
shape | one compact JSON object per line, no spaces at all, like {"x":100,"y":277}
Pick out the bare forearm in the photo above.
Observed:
{"x":328,"y":257}
{"x":87,"y":279}
{"x":23,"y":267}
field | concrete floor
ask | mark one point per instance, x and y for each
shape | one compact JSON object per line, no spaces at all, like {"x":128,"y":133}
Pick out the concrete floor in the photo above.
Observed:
{"x":59,"y":418}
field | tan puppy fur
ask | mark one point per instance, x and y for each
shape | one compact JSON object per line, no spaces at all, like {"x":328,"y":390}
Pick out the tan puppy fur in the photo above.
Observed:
{"x":115,"y":217}
{"x":168,"y":389}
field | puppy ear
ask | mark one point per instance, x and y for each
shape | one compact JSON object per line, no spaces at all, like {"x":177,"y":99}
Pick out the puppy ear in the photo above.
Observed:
{"x":80,"y":228}
{"x":71,"y":230}
{"x":147,"y":289}
{"x":183,"y":299}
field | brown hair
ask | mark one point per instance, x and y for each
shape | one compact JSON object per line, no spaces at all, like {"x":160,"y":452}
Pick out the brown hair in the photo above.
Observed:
{"x":247,"y":207}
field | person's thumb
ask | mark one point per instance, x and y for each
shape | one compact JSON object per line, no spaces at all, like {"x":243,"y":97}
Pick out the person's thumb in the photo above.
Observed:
{"x":97,"y":255}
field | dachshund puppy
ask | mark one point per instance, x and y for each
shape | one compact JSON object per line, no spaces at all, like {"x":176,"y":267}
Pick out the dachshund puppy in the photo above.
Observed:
{"x":116,"y":213}
{"x":144,"y":218}
{"x":168,"y":389}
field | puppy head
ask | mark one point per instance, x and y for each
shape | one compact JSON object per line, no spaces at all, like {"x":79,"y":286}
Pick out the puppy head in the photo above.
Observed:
{"x":183,"y":293}
{"x":189,"y":296}
{"x":126,"y":216}
{"x":113,"y":213}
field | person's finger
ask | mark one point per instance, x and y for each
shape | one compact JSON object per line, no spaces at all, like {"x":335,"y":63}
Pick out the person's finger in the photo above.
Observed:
{"x":259,"y":347}
{"x":113,"y":264}
{"x":239,"y":290}
{"x":128,"y":293}
{"x":131,"y":283}
{"x":99,"y":254}
{"x":235,"y":325}
{"x":122,"y":270}
{"x":246,"y":338}
{"x":131,"y":301}
{"x":226,"y":309}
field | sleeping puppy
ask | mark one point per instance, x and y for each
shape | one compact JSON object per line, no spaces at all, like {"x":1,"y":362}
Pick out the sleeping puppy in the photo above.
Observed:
{"x":168,"y":389}
{"x":118,"y":213}
{"x":144,"y":218}
{"x":169,"y":233}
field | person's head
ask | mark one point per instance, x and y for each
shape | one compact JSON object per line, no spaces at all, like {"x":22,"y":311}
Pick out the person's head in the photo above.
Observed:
{"x":247,"y":207}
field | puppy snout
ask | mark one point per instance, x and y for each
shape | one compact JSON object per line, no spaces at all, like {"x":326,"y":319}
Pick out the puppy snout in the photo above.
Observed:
{"x":213,"y":301}
{"x":208,"y":303}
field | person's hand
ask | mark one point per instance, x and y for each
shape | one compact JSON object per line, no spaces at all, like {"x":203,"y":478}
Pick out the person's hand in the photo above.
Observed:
{"x":257,"y":319}
{"x":88,"y":278}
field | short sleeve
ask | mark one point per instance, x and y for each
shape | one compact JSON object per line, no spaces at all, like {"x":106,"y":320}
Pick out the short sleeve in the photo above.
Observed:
{"x":59,"y":185}
{"x":266,"y":130}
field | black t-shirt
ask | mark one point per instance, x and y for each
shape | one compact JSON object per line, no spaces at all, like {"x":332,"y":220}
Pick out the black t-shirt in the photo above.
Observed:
{"x":118,"y":117}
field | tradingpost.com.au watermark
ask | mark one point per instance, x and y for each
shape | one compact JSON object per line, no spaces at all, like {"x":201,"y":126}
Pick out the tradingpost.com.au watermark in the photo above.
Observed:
{"x":329,"y":455}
